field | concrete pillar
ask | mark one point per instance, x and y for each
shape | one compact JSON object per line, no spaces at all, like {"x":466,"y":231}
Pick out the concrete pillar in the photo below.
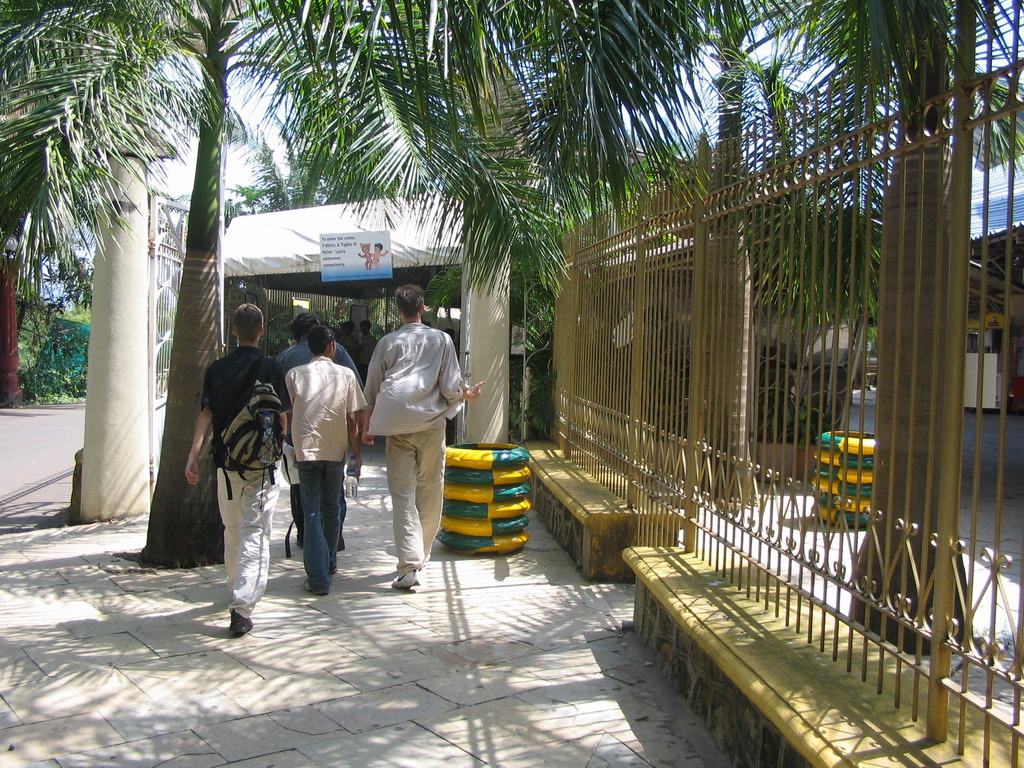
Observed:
{"x":115,"y":465}
{"x":487,"y":360}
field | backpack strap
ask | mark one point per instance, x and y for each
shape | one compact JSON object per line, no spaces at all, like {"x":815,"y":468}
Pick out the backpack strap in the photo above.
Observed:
{"x":227,"y":482}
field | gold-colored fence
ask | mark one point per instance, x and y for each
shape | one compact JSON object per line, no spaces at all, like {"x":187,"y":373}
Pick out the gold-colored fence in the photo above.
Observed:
{"x":814,"y":364}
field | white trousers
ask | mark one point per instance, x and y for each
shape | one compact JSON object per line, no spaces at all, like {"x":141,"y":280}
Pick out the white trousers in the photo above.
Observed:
{"x":415,"y":464}
{"x":247,"y":518}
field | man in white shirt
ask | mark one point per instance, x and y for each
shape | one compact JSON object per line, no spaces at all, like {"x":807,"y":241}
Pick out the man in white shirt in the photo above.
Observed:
{"x":413,"y":384}
{"x":325,"y":402}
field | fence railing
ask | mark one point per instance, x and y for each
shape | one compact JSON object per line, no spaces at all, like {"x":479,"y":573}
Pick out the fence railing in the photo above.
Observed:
{"x":712,"y":357}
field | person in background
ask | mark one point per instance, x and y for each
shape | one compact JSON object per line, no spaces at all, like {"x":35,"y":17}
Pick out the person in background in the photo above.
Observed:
{"x":412,"y":385}
{"x":246,"y":500}
{"x":325,"y":400}
{"x":346,"y":339}
{"x":293,"y":356}
{"x":367,"y":343}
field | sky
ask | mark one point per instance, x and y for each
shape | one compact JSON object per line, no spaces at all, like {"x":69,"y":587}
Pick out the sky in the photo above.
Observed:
{"x":180,"y":173}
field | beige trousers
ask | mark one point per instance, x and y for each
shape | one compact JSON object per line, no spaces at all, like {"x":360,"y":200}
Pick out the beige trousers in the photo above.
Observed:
{"x":247,"y":519}
{"x":415,"y":464}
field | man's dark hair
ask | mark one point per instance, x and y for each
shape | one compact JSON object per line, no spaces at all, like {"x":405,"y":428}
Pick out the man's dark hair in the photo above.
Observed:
{"x":348,"y":326}
{"x":364,"y":327}
{"x":302,"y":323}
{"x":409,"y":299}
{"x":320,"y":336}
{"x":247,"y":322}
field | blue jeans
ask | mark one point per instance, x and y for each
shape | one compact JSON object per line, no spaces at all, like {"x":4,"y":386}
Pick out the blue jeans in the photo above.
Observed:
{"x":320,"y":485}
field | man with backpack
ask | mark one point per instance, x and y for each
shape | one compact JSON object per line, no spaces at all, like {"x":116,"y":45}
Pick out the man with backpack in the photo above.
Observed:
{"x":245,"y":400}
{"x":326,"y":399}
{"x":295,"y":355}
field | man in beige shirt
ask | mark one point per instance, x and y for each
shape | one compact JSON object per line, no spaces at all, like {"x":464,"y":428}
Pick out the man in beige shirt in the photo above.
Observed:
{"x":413,"y":383}
{"x":325,"y":402}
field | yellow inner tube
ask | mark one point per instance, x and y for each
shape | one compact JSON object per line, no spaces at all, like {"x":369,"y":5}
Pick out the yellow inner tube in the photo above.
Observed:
{"x":486,"y":493}
{"x":482,"y":544}
{"x":850,"y":442}
{"x":484,"y":527}
{"x":486,"y":456}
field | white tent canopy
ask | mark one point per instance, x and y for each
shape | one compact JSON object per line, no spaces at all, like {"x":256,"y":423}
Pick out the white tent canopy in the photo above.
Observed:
{"x":288,"y":242}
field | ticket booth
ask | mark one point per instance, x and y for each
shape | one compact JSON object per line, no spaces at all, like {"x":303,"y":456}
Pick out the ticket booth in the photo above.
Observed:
{"x":982,"y":366}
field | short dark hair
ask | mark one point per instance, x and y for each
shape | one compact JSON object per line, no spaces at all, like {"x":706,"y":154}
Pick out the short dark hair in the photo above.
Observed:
{"x":320,"y":337}
{"x":365,"y":326}
{"x":409,"y":299}
{"x":302,"y":323}
{"x":348,"y":326}
{"x":247,"y":322}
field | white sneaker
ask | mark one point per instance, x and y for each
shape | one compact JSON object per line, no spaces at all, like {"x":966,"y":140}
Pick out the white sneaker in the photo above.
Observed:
{"x":407,"y":580}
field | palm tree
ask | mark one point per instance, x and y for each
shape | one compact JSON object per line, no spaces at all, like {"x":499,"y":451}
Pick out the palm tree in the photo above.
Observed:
{"x":477,"y":106}
{"x":63,"y":135}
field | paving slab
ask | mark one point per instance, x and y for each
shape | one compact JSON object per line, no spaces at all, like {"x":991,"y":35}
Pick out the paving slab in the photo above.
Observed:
{"x":391,"y":670}
{"x":39,"y":741}
{"x":391,"y":706}
{"x":493,"y":661}
{"x":181,"y":750}
{"x":400,"y":746}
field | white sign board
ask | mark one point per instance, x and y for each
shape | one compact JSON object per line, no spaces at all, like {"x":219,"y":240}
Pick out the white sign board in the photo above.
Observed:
{"x":355,"y":256}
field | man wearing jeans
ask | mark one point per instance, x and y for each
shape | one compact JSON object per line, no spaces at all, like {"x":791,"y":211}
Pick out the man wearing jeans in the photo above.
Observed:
{"x":325,"y":400}
{"x":413,"y":383}
{"x":295,"y":355}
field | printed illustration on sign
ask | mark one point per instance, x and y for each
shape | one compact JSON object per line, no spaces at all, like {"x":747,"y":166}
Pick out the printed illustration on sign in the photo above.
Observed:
{"x":355,"y":256}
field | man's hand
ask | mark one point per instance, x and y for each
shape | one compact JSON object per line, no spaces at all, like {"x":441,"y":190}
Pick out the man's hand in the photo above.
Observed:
{"x":367,"y":438}
{"x":357,"y":463}
{"x":192,"y":470}
{"x":472,"y":393}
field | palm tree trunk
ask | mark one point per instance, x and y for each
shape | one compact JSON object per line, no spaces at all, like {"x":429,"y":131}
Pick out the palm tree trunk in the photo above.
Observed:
{"x":184,"y":525}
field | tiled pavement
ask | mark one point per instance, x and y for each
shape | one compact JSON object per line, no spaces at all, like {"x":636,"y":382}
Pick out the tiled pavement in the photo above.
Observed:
{"x":499,"y":661}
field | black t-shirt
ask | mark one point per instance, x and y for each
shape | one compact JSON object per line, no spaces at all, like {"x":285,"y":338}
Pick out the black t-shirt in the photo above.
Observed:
{"x":227,"y":380}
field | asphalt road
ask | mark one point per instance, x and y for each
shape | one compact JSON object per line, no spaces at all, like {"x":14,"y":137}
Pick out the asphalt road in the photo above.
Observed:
{"x":37,"y":459}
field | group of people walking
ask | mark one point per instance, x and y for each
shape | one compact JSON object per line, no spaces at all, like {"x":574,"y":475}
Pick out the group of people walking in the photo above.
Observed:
{"x":410,"y":387}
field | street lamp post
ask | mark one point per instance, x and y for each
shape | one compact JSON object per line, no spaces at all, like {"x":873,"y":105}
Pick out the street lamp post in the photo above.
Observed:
{"x":10,"y":389}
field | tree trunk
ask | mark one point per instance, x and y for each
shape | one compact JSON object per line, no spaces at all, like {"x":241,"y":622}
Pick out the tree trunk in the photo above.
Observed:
{"x":896,"y":561}
{"x":185,"y":529}
{"x":9,"y":386}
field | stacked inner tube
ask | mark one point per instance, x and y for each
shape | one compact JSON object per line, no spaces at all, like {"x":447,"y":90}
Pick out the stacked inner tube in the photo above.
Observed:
{"x":486,"y":489}
{"x":846,"y":471}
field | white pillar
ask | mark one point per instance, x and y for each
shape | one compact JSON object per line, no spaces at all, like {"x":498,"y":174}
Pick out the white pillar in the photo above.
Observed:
{"x":115,"y":465}
{"x":487,"y":360}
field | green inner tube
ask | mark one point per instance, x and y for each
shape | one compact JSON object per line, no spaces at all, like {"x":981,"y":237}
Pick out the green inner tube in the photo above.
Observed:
{"x":478,"y":510}
{"x":856,"y":443}
{"x":847,"y":474}
{"x":502,"y":476}
{"x":839,"y":488}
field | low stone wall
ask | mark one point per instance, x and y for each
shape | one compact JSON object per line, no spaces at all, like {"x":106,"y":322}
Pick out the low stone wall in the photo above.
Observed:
{"x":592,"y":524}
{"x":771,"y":699}
{"x":736,"y":725}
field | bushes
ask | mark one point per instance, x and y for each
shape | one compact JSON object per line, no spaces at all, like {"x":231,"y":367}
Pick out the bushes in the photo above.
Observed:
{"x":55,"y":371}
